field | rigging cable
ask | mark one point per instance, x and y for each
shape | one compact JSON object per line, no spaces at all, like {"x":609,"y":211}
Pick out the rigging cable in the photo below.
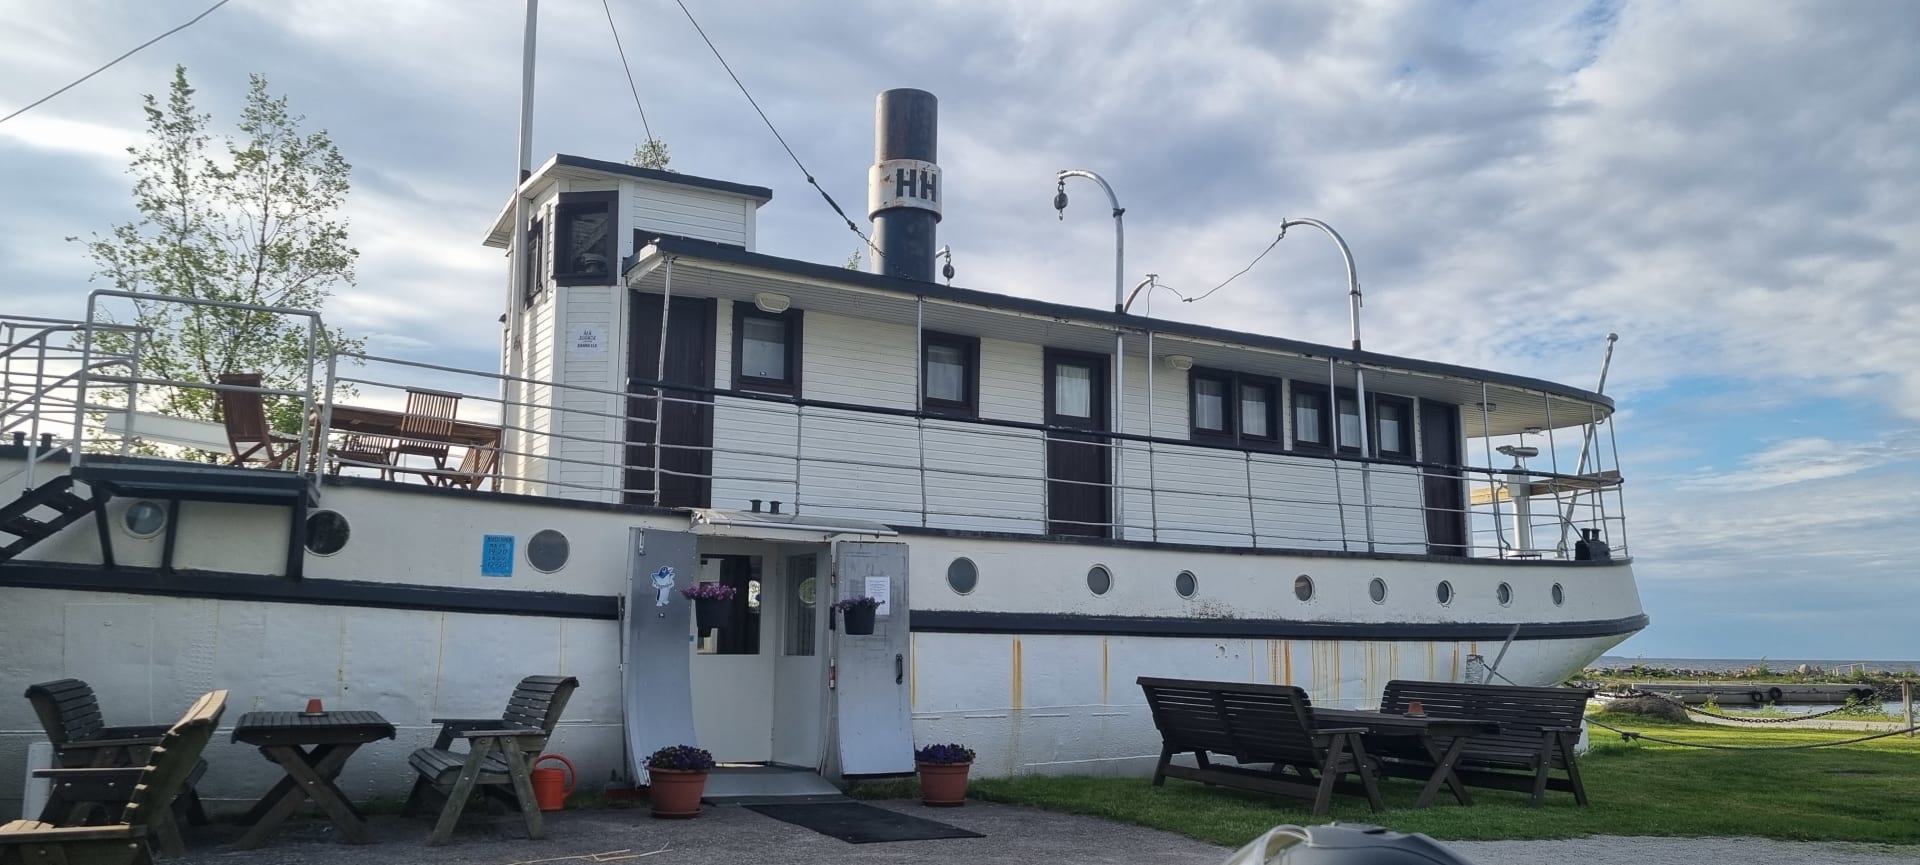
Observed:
{"x":629,"y":69}
{"x":1250,"y":264}
{"x":770,"y":128}
{"x":110,"y":63}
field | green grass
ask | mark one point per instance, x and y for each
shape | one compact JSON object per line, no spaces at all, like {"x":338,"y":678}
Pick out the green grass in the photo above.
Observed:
{"x":1867,"y":792}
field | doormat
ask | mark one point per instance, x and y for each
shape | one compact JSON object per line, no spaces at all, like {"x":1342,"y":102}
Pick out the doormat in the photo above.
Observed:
{"x":860,"y":823}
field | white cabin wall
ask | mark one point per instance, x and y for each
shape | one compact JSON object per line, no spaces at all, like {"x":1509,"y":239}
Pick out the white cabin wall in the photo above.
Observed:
{"x":589,"y":429}
{"x":671,"y":208}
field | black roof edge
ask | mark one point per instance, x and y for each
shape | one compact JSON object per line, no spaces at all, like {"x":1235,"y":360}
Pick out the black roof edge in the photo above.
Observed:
{"x":678,"y":245}
{"x":571,"y":161}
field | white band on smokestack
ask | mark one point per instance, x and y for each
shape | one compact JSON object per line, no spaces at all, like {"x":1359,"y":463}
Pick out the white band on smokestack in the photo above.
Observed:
{"x":903,"y":183}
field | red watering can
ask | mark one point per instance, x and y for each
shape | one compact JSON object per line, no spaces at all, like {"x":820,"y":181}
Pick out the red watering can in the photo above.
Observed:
{"x":552,"y":786}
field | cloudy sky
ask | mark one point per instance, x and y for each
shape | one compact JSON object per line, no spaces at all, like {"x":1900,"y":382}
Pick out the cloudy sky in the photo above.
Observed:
{"x":1729,"y":186}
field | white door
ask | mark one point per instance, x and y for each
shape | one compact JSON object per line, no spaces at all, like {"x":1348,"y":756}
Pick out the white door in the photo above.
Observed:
{"x":800,"y":670}
{"x":873,"y":724}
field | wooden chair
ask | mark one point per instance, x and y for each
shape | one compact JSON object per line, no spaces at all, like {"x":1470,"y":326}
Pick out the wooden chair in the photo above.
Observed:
{"x":249,"y":435}
{"x":70,"y":715}
{"x":1538,"y":730}
{"x":428,"y":425}
{"x":1255,"y":724}
{"x":476,"y":467}
{"x":365,"y":451}
{"x":499,"y":753}
{"x":147,"y":792}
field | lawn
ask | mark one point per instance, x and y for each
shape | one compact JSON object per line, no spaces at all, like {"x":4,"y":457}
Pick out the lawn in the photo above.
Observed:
{"x":1868,"y":792}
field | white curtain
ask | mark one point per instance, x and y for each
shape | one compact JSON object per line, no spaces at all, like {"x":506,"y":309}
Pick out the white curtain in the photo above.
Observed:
{"x":1209,"y":404}
{"x":1253,"y":411}
{"x":1073,"y":391}
{"x":946,"y":373}
{"x":1306,"y":423}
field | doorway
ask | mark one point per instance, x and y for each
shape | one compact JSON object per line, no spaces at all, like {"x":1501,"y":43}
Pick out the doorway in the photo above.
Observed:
{"x":684,"y":458}
{"x":1442,"y":490}
{"x":758,"y":681}
{"x":1078,"y":494}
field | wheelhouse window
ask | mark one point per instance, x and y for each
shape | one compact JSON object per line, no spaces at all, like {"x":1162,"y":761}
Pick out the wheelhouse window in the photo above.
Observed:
{"x":1259,"y":411}
{"x":950,"y":374}
{"x":1212,"y":413}
{"x":533,"y":253}
{"x":766,"y":350}
{"x":583,"y":224}
{"x":1234,"y":408}
{"x":1349,"y":409}
{"x":1311,"y":428}
{"x":1393,"y":427}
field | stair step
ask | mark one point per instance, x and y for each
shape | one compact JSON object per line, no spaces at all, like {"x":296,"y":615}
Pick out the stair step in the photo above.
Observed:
{"x":24,"y":526}
{"x":67,"y":503}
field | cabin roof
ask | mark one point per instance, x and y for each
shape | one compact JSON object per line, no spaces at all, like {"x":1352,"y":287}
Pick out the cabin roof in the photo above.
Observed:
{"x":1076,"y":327}
{"x":567,"y":166}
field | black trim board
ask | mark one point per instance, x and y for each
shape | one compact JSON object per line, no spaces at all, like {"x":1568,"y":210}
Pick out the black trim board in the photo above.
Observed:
{"x":228,"y":586}
{"x":728,"y":254}
{"x":973,"y":622}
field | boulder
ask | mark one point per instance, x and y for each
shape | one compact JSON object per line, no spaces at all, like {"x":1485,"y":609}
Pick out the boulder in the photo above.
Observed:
{"x":1646,"y":707}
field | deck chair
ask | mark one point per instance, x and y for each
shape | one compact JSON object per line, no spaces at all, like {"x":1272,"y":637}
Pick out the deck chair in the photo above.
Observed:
{"x":476,"y":466}
{"x":428,"y":425}
{"x":147,"y":790}
{"x":500,"y":752}
{"x":365,"y":451}
{"x":248,"y":434}
{"x":69,"y":713}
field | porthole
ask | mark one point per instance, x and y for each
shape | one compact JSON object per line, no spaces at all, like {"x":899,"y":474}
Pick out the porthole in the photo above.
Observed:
{"x":1099,"y":580}
{"x":547,"y":551}
{"x":1559,"y":595}
{"x":962,"y":576}
{"x":1303,"y":587}
{"x":1377,"y":590}
{"x":1504,"y":594}
{"x":1186,"y":584}
{"x":327,"y":532}
{"x":1444,"y":592}
{"x":144,"y":519}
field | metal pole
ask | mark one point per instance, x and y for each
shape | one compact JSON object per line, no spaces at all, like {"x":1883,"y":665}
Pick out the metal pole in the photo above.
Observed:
{"x":1333,"y":408}
{"x":517,"y":275}
{"x":1493,"y":488}
{"x":1906,"y":699}
{"x":1153,"y":488}
{"x":1553,"y":460}
{"x":1619,"y":492}
{"x":1359,"y":376}
{"x":1119,"y":336}
{"x":326,"y":416}
{"x":920,"y":405}
{"x":306,"y":405}
{"x":660,"y":375}
{"x":133,"y":395}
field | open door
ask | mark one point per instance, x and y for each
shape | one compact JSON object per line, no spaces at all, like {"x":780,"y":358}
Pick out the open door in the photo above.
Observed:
{"x":873,"y":723}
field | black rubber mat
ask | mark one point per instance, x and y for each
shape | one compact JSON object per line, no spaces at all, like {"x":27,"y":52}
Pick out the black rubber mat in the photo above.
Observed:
{"x":860,"y":823}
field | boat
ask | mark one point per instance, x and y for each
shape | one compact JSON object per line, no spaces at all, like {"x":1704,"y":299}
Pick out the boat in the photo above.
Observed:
{"x":1046,"y":501}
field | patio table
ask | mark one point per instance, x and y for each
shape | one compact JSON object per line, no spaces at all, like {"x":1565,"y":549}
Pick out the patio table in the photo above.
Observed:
{"x":1441,"y":739}
{"x":311,"y":748}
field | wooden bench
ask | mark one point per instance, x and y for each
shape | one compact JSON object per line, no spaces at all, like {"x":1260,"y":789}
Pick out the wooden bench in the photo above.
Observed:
{"x":1255,"y":724}
{"x":148,"y":790}
{"x":1538,"y":730}
{"x":499,"y":754}
{"x":69,"y":713}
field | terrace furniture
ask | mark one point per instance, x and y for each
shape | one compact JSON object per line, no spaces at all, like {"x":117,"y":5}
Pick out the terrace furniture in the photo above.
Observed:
{"x":366,"y":451}
{"x":1538,"y":728}
{"x":372,"y":434}
{"x":311,"y":748}
{"x":427,"y":425}
{"x":1255,"y":724}
{"x":1438,"y":740}
{"x":245,"y":415}
{"x":476,"y":467}
{"x":499,"y":753}
{"x":147,"y":792}
{"x":70,"y":714}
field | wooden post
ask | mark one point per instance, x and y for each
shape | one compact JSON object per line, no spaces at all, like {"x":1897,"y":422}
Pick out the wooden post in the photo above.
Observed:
{"x":1906,"y":698}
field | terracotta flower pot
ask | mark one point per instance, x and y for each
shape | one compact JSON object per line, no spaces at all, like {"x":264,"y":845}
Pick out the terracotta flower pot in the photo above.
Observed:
{"x":859,"y":620}
{"x":676,"y":793}
{"x":944,"y":784}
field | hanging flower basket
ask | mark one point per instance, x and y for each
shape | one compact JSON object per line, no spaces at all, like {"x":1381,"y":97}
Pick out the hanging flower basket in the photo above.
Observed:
{"x":856,"y":614}
{"x":712,"y":604}
{"x":679,"y":779}
{"x":943,"y":774}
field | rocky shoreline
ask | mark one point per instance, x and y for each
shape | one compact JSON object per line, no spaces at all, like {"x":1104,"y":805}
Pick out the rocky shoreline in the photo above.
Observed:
{"x":1804,"y":673}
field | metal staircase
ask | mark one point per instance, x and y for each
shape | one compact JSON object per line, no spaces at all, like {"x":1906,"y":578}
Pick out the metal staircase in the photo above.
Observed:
{"x":26,"y":520}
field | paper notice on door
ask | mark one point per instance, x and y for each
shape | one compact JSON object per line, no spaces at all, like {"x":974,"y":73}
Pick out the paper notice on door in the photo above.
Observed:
{"x":882,"y":589}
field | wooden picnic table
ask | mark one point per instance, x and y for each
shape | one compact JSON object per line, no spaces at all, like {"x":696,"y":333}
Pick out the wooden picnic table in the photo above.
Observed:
{"x":311,"y":748}
{"x":385,"y":422}
{"x":1441,"y":738}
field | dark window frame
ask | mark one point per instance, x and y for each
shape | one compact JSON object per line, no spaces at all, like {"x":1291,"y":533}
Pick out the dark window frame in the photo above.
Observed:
{"x":1405,"y":404}
{"x":791,"y":319}
{"x":1324,"y":401}
{"x":533,"y":254}
{"x":1276,"y":420}
{"x":1229,"y":406}
{"x":1350,"y":448}
{"x":569,"y":207}
{"x":969,"y":346}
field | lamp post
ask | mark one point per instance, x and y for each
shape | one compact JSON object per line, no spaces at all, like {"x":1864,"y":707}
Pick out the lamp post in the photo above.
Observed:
{"x":1119,"y":337}
{"x":1359,"y":374}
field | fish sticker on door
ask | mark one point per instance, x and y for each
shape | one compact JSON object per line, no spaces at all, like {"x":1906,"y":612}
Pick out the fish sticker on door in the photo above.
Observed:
{"x":662,"y":585}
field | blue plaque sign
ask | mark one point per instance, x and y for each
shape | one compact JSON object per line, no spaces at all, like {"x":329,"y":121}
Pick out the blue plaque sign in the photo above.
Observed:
{"x":496,"y":555}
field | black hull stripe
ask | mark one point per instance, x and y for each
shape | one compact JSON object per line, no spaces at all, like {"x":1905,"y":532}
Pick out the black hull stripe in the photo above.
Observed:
{"x":969,"y":622}
{"x":228,"y":586}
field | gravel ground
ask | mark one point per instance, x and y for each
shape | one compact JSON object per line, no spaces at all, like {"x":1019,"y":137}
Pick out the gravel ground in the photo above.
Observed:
{"x":1015,"y":836}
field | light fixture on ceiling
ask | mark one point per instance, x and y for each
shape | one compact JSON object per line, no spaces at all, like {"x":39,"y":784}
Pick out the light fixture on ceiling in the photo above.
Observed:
{"x":767,"y":301}
{"x":1486,"y":407}
{"x":1180,"y":361}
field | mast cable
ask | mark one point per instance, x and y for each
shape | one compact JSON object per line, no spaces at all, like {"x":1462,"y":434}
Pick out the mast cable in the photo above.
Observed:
{"x":110,"y":63}
{"x":629,"y":69}
{"x":770,"y":128}
{"x":1256,"y":260}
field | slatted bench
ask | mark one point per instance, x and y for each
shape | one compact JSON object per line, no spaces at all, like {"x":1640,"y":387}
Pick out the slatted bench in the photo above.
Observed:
{"x":69,"y":713}
{"x":1255,"y":724}
{"x":499,"y":753}
{"x":1538,"y":730}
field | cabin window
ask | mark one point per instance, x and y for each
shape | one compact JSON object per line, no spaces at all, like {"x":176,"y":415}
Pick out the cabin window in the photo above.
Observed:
{"x":583,"y":252}
{"x":1393,"y":427}
{"x":1259,"y":415}
{"x":766,"y":350}
{"x":1210,"y":410}
{"x":1349,"y":408}
{"x":533,"y":252}
{"x":951,"y":374}
{"x":1310,"y":428}
{"x":1073,"y":390}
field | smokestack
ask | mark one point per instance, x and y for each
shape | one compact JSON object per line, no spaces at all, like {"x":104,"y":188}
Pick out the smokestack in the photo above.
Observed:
{"x":904,"y":186}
